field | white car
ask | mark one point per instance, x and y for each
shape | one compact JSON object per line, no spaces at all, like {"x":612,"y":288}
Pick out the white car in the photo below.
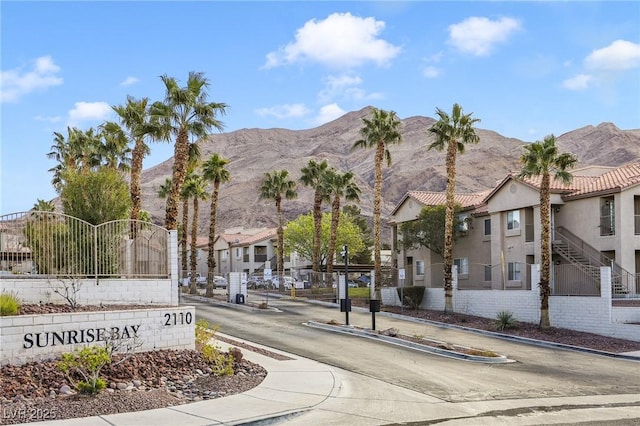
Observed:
{"x":200,"y":280}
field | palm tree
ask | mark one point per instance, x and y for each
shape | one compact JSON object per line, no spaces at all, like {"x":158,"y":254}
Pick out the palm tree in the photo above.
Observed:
{"x":184,"y":113}
{"x":275,"y":186}
{"x":192,"y":164}
{"x":338,"y":185}
{"x":313,"y":175}
{"x":196,"y":188}
{"x":214,"y":171}
{"x":165,"y":189}
{"x":44,"y":206}
{"x":542,"y":159}
{"x":452,"y":133}
{"x":378,"y":132}
{"x":135,"y":118}
{"x":75,"y":152}
{"x":113,"y":151}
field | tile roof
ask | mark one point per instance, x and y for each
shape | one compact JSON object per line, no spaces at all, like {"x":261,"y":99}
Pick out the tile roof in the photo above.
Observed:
{"x":244,"y":239}
{"x":612,"y":181}
{"x":466,"y":200}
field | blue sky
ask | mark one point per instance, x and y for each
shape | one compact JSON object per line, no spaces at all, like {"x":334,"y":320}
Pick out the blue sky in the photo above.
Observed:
{"x":526,"y":69}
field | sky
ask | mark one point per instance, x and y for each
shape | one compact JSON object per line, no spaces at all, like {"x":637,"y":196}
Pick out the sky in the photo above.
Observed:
{"x":525,"y":69}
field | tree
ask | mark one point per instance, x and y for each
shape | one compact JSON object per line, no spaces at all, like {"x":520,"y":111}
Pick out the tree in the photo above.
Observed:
{"x":378,"y":133}
{"x":360,"y":256}
{"x":196,"y":188}
{"x":543,"y":159}
{"x":215,"y":172}
{"x":78,"y":151}
{"x":44,"y":206}
{"x":276,"y":185}
{"x":313,"y":176}
{"x":184,"y":113}
{"x":453,"y":132}
{"x":299,"y":236}
{"x":95,"y":196}
{"x":183,"y":229}
{"x":135,"y":118}
{"x":428,"y":229}
{"x":338,"y":185}
{"x":113,"y":151}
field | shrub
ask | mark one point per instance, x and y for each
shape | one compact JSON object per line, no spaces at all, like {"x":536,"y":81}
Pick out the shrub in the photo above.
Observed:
{"x":221,"y":363}
{"x":505,"y":320}
{"x":9,"y":304}
{"x":412,"y":296}
{"x":87,"y":362}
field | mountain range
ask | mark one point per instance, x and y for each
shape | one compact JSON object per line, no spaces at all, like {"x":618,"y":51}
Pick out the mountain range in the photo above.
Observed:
{"x":252,"y":152}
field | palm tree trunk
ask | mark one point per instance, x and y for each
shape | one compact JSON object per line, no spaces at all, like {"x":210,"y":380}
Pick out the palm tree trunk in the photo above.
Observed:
{"x":194,"y":237}
{"x":448,"y":228}
{"x":280,"y":265}
{"x":180,"y":160}
{"x":183,"y":236}
{"x":333,"y":235}
{"x":137,"y":156}
{"x":377,"y":209}
{"x":317,"y":222}
{"x":211,"y":258}
{"x":545,"y":251}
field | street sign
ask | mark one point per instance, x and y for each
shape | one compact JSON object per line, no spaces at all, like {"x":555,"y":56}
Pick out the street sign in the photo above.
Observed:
{"x":267,"y":274}
{"x":401,"y":273}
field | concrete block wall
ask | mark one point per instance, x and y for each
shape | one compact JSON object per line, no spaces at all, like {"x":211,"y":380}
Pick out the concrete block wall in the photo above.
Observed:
{"x":625,"y":314}
{"x":524,"y":304}
{"x":92,"y":292}
{"x":28,"y":338}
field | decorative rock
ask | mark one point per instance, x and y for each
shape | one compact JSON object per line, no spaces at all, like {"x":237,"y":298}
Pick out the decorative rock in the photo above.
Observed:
{"x":52,"y":394}
{"x":137,"y":383}
{"x":65,"y":390}
{"x":121,"y":386}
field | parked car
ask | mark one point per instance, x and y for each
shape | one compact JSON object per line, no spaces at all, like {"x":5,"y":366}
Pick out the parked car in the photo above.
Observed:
{"x":200,"y":280}
{"x":219,"y":282}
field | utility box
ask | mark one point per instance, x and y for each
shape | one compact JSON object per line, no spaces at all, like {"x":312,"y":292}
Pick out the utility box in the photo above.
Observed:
{"x":345,"y":305}
{"x":374,"y":305}
{"x":237,"y":287}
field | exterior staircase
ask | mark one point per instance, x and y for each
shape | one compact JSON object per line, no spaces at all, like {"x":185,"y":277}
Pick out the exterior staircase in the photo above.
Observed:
{"x":589,"y":260}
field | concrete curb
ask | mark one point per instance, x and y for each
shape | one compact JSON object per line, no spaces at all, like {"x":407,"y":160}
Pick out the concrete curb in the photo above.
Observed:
{"x":500,"y":359}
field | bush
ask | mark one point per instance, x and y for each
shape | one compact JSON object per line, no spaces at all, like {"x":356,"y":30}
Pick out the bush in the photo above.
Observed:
{"x":9,"y":304}
{"x":412,"y":296}
{"x":87,"y":362}
{"x":221,"y":363}
{"x":505,"y":320}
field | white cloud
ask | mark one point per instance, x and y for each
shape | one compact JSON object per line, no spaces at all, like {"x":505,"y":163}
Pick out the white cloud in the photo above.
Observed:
{"x":340,"y":41}
{"x":18,"y":82}
{"x":618,"y":56}
{"x":129,"y":81}
{"x":431,"y":72}
{"x":479,"y":35}
{"x":55,"y":119}
{"x":579,"y":82}
{"x":345,"y":86}
{"x":89,"y":111}
{"x":284,"y":111}
{"x":329,"y":113}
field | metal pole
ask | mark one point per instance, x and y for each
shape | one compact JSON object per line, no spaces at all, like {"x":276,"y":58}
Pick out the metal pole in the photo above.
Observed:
{"x":346,"y":284}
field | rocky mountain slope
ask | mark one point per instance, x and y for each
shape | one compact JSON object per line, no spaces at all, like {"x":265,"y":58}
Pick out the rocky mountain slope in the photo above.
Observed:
{"x":252,"y":152}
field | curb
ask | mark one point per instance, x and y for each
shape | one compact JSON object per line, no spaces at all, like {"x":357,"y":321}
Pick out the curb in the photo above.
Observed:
{"x":500,"y":359}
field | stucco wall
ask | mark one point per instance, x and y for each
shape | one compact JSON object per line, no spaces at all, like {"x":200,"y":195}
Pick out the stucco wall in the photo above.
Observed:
{"x":27,"y":338}
{"x":92,"y":292}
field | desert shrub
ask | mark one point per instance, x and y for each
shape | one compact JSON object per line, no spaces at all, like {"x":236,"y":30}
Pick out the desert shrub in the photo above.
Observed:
{"x":505,"y":320}
{"x":221,"y":363}
{"x":9,"y":304}
{"x":86,"y":362}
{"x":412,"y":296}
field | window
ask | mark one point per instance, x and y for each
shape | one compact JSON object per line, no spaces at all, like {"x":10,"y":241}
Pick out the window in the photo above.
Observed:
{"x":513,"y":273}
{"x":463,"y":223}
{"x":487,"y":272}
{"x":462,"y":264}
{"x":487,"y":227}
{"x":238,"y":252}
{"x":419,"y":267}
{"x":607,"y":216}
{"x":513,"y":219}
{"x":225,"y":254}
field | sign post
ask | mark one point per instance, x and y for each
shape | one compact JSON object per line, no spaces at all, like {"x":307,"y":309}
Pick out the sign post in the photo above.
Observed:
{"x":345,"y":304}
{"x":401,"y":276}
{"x":267,"y":280}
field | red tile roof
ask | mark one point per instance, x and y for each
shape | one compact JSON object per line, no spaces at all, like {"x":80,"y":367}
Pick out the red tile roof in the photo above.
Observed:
{"x":439,"y":198}
{"x":614,"y":180}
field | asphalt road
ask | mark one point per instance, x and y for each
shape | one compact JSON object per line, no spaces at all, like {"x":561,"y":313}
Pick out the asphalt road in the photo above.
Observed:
{"x":537,"y":372}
